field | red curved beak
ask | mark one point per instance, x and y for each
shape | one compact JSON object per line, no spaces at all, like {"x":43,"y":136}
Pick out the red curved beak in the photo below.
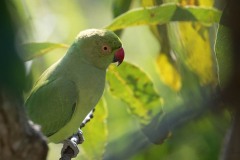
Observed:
{"x":119,"y":56}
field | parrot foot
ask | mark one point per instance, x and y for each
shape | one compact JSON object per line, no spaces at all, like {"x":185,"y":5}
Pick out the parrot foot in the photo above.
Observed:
{"x":70,"y":148}
{"x":79,"y":136}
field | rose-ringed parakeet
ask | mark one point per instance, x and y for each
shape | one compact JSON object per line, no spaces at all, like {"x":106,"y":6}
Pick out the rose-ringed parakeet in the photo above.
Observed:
{"x":69,"y":89}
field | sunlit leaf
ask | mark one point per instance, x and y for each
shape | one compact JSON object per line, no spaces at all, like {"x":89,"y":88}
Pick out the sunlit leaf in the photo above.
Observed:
{"x":223,"y":49}
{"x":163,"y":14}
{"x":191,"y":43}
{"x":33,"y":50}
{"x":187,"y":2}
{"x":168,"y":73}
{"x":206,"y":3}
{"x":209,"y":3}
{"x":95,"y":134}
{"x":133,"y":86}
{"x":147,"y":3}
{"x":197,"y":43}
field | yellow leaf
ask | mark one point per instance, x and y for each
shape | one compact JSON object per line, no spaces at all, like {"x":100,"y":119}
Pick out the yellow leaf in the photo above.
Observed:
{"x":208,"y":3}
{"x":198,"y":56}
{"x":147,"y":3}
{"x":188,"y":2}
{"x":168,"y":74}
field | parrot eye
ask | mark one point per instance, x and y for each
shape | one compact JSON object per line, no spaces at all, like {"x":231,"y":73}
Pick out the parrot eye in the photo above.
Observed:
{"x":106,"y":49}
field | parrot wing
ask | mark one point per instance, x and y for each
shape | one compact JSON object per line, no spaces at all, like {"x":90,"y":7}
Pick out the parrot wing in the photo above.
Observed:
{"x":52,"y":104}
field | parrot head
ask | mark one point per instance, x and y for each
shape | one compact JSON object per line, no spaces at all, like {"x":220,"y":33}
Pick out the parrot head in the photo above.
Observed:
{"x":100,"y":47}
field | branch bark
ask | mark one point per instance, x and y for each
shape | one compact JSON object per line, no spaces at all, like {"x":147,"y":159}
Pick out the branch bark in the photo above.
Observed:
{"x":18,"y":140}
{"x":231,"y":94}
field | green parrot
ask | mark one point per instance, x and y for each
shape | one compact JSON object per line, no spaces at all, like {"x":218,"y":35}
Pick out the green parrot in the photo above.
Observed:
{"x":70,"y":89}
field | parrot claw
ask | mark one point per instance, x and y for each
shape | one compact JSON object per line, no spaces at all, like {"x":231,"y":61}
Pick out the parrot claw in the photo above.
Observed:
{"x":70,"y":148}
{"x":80,"y":137}
{"x":70,"y":145}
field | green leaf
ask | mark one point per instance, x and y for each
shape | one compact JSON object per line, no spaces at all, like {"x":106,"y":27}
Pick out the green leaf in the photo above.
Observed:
{"x":118,"y":8}
{"x":133,"y":86}
{"x":33,"y":50}
{"x":95,"y":134}
{"x":163,"y":14}
{"x":224,"y":56}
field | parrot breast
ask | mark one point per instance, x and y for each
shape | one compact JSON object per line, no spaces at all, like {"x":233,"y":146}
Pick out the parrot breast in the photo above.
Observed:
{"x":90,"y":85}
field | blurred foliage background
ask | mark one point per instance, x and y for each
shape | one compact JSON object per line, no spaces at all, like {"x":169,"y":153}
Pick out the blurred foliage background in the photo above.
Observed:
{"x":161,"y":95}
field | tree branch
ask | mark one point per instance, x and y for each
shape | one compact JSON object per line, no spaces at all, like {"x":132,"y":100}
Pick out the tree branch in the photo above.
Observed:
{"x":231,"y":93}
{"x":18,"y":140}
